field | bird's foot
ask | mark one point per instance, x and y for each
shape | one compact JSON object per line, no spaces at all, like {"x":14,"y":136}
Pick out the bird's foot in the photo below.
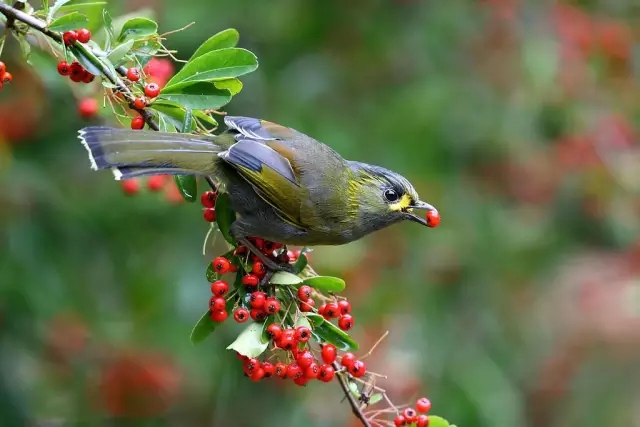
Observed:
{"x":268,"y":262}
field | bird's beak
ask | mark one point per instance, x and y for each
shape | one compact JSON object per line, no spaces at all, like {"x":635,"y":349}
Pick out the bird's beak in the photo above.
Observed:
{"x":420,"y":205}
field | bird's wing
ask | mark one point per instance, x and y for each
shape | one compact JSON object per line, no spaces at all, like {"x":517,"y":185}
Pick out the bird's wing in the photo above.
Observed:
{"x":248,"y":127}
{"x":268,"y":169}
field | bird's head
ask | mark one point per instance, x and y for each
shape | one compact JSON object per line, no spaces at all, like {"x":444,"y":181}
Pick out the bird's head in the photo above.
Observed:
{"x":387,"y":197}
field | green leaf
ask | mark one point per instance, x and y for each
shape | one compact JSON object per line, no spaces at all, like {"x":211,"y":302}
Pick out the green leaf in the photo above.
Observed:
{"x":250,"y":342}
{"x":81,"y":5}
{"x":71,"y":21}
{"x":375,"y":398}
{"x":188,"y":186}
{"x":225,"y":216}
{"x":164,"y":125}
{"x":300,"y":263}
{"x":284,"y":278}
{"x":232,"y":85}
{"x":119,"y":52}
{"x":56,"y":6}
{"x":220,"y":64}
{"x":326,"y":283}
{"x":438,"y":422}
{"x":174,"y":113}
{"x":145,"y":49}
{"x":108,"y":28}
{"x":197,"y":95}
{"x":203,"y":328}
{"x":188,"y":122}
{"x":205,"y":118}
{"x":315,"y":318}
{"x":137,"y":29}
{"x":25,"y":47}
{"x":211,"y":274}
{"x":223,"y":39}
{"x":328,"y":332}
{"x":84,"y":60}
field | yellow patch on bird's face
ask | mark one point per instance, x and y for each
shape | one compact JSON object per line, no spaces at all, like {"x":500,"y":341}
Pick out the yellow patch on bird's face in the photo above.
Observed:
{"x":402,"y":204}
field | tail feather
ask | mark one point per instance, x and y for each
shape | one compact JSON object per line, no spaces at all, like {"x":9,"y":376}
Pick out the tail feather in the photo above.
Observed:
{"x":133,"y":153}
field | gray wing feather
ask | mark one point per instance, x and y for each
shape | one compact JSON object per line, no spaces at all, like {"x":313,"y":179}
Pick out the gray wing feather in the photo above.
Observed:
{"x":253,"y":155}
{"x":248,"y":126}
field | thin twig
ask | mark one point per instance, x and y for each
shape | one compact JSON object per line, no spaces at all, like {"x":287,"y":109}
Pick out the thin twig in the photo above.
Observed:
{"x":355,"y":405}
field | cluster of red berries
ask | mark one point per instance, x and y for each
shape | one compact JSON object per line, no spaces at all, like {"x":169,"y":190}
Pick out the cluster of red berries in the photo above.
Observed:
{"x":5,"y":76}
{"x":70,"y":37}
{"x":154,"y":184}
{"x":151,"y":90}
{"x":417,"y":415}
{"x":76,"y":72}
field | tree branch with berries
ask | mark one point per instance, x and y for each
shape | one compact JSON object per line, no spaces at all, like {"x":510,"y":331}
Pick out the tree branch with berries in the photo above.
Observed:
{"x":296,"y":322}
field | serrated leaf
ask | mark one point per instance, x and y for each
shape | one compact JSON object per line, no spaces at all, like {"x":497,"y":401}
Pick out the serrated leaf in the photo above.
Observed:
{"x":203,"y":328}
{"x":188,"y":187}
{"x":70,"y":21}
{"x":328,"y":332}
{"x":119,"y":52}
{"x":250,"y":342}
{"x":285,"y":278}
{"x":56,"y":6}
{"x":223,"y":39}
{"x":220,"y":64}
{"x":137,"y":29}
{"x":84,"y":60}
{"x":225,"y":216}
{"x":197,"y":95}
{"x":326,"y":283}
{"x":300,"y":263}
{"x":234,"y":86}
{"x":435,"y":421}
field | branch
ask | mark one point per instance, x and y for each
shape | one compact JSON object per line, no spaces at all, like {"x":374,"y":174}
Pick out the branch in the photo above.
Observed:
{"x":355,"y":406}
{"x":14,"y":14}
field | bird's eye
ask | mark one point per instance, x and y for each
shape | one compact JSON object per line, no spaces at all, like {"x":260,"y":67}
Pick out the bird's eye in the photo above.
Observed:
{"x":391,"y":195}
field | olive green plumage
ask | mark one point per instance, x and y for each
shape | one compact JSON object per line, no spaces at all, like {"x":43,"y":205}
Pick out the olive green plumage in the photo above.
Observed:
{"x":285,"y":186}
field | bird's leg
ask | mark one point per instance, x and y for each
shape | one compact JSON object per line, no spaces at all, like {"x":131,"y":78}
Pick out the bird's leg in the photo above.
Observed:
{"x":269,"y":263}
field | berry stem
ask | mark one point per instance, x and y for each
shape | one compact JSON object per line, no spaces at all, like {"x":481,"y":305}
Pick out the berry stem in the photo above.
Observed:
{"x":13,"y":13}
{"x":355,"y":406}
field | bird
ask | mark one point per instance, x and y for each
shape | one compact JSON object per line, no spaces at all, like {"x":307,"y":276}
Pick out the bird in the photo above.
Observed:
{"x":284,"y":186}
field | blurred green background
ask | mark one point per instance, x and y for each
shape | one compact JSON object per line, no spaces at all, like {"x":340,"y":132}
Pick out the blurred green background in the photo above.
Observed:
{"x":517,"y":119}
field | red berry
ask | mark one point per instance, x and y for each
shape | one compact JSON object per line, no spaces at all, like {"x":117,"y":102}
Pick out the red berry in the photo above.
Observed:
{"x":208,"y":199}
{"x":130,"y":186}
{"x":423,"y":405}
{"x":345,"y":322}
{"x":217,"y":303}
{"x":76,"y":72}
{"x":84,"y":35}
{"x":219,"y":288}
{"x":258,"y":314}
{"x":63,"y":68}
{"x":433,"y":218}
{"x":322,"y":309}
{"x":259,"y":242}
{"x":301,"y":381}
{"x":410,"y":415}
{"x":274,"y":331}
{"x":241,"y":357}
{"x":326,"y":373}
{"x":152,"y":90}
{"x":329,"y":353}
{"x":241,"y":315}
{"x":258,"y":268}
{"x":209,"y":215}
{"x":257,"y":374}
{"x":347,"y":360}
{"x":7,"y":77}
{"x":312,"y":371}
{"x":257,"y":299}
{"x":286,"y":341}
{"x":269,"y":369}
{"x":331,"y":310}
{"x":358,"y":368}
{"x":137,"y":123}
{"x":294,"y":371}
{"x":250,"y":365}
{"x":133,"y":74}
{"x":305,"y":359}
{"x":293,"y":256}
{"x":139,"y":103}
{"x":221,"y":265}
{"x":344,"y":306}
{"x":272,"y":305}
{"x":422,"y":421}
{"x":302,"y":334}
{"x":3,"y":67}
{"x":307,"y":305}
{"x":399,"y":421}
{"x":304,"y":292}
{"x":281,"y":370}
{"x":250,"y":280}
{"x":156,"y":182}
{"x":87,"y":108}
{"x":219,"y":316}
{"x":69,"y":37}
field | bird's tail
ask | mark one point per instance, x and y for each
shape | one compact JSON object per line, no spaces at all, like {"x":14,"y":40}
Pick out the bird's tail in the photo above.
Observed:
{"x":134,"y":153}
